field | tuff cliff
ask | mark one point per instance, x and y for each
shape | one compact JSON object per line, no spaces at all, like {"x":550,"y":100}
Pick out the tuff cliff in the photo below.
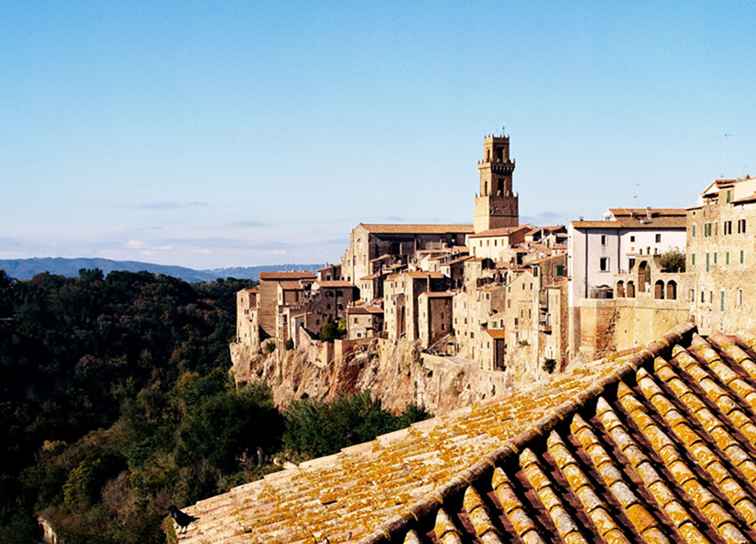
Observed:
{"x":397,"y":373}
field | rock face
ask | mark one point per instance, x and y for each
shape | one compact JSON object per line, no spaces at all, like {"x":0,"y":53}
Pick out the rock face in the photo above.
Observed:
{"x":396,"y":373}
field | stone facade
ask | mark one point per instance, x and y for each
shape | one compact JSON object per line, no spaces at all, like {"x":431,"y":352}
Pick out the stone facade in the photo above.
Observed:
{"x":496,"y":205}
{"x":268,"y":297}
{"x":401,"y":310}
{"x":434,"y":317}
{"x":721,"y":255}
{"x":247,"y":325}
{"x":364,"y":322}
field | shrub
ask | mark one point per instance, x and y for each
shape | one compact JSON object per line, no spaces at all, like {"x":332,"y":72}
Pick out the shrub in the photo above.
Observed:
{"x":672,"y":261}
{"x":549,"y":365}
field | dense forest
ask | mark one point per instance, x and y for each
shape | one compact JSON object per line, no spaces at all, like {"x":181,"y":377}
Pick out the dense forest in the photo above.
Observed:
{"x":115,"y":402}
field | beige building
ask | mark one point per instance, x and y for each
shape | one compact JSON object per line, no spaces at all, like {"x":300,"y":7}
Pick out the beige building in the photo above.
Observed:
{"x":370,"y":241}
{"x":600,"y":250}
{"x":247,"y":325}
{"x":496,"y":204}
{"x":365,"y":321}
{"x":268,"y":296}
{"x":497,"y":244}
{"x":401,"y":311}
{"x":721,"y":255}
{"x":434,"y":316}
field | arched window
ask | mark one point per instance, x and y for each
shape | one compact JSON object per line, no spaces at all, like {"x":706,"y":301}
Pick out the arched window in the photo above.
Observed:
{"x":659,"y":290}
{"x":671,"y":290}
{"x":739,"y":298}
{"x":644,"y":277}
{"x":630,"y":289}
{"x":620,"y":289}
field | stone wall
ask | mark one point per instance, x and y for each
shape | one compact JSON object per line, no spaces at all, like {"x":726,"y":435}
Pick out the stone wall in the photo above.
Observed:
{"x":610,"y":325}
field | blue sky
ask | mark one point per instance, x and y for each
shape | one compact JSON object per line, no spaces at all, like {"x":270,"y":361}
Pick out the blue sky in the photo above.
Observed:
{"x":238,"y":133}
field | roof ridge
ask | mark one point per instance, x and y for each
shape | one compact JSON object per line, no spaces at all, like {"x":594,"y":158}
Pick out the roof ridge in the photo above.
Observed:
{"x":541,"y":429}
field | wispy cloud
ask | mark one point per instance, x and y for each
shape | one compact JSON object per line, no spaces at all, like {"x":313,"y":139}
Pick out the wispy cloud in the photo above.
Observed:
{"x":158,"y":205}
{"x":248,"y":224}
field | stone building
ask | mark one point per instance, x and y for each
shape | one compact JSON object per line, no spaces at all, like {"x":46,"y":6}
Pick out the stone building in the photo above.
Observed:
{"x":371,"y":241}
{"x":247,"y":325}
{"x":721,"y":255}
{"x":401,"y":310}
{"x":434,"y":316}
{"x":497,"y":244}
{"x":496,"y":204}
{"x":268,"y":296}
{"x":364,"y":321}
{"x":599,"y":250}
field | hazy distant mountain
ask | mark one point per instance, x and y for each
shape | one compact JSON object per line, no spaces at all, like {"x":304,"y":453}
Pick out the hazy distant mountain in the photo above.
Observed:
{"x":24,"y":269}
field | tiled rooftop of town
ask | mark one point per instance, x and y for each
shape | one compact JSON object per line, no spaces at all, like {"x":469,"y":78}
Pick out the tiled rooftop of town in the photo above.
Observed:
{"x":408,"y":228}
{"x":657,"y":448}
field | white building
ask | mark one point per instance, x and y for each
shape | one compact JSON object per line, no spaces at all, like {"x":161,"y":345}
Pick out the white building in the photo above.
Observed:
{"x":599,"y":249}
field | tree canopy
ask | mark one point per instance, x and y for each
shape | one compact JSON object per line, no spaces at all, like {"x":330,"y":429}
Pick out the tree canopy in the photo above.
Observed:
{"x":117,"y":402}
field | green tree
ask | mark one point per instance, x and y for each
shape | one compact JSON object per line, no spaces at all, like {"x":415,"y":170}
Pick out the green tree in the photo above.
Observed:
{"x":672,"y":260}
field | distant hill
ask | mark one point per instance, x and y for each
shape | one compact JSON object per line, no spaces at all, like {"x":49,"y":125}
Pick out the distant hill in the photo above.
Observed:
{"x":24,"y":269}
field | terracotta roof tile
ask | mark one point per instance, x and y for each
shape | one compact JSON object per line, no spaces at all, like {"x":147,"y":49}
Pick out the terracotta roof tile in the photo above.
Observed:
{"x":334,"y":284}
{"x":416,"y":228}
{"x":658,"y":448}
{"x":503,"y":231}
{"x":277,"y":276}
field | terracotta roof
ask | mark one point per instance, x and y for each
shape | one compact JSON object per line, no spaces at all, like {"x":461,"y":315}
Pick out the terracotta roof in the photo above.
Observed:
{"x":620,"y":212}
{"x":334,"y":284}
{"x":627,"y":223}
{"x":278,"y":276}
{"x":504,"y":231}
{"x":745,"y":199}
{"x":658,"y":448}
{"x":416,"y":229}
{"x":498,"y":334}
{"x":364,"y":310}
{"x":291,"y":286}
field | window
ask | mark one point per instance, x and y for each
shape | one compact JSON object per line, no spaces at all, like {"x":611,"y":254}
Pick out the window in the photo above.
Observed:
{"x":692,"y":231}
{"x":693,"y":259}
{"x":658,"y":238}
{"x":722,"y":300}
{"x":632,"y":238}
{"x":604,"y":264}
{"x":727,"y":228}
{"x":603,"y":239}
{"x":692,"y":295}
{"x":728,"y":196}
{"x":741,"y":226}
{"x":703,"y":296}
{"x":727,"y":258}
{"x":707,"y":262}
{"x":739,"y":298}
{"x":742,"y":257}
{"x":715,"y":257}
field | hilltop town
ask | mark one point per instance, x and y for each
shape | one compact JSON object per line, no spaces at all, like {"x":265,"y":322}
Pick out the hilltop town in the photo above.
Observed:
{"x":592,"y":382}
{"x":477,"y":309}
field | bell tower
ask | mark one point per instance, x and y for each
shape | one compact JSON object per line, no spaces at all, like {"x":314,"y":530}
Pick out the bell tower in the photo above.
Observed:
{"x":496,"y":205}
